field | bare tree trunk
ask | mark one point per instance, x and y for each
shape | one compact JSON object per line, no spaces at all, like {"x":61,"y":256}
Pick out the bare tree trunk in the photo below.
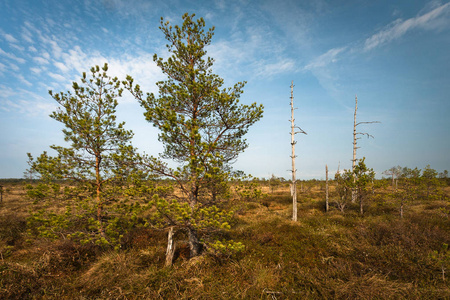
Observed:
{"x":293,"y":142}
{"x":326,"y":188}
{"x":354,"y":150}
{"x":170,"y":252}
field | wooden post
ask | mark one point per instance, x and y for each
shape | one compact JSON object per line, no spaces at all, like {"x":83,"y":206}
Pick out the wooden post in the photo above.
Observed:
{"x":326,"y":188}
{"x":1,"y":193}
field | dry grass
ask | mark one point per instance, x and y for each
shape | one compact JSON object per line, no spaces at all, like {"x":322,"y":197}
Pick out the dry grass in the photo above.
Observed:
{"x":323,"y":256}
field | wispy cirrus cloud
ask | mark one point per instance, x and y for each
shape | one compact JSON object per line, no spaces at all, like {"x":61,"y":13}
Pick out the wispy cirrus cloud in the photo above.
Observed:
{"x":331,"y":56}
{"x":283,"y":65}
{"x":57,"y":77}
{"x":12,"y":56}
{"x":24,"y":101}
{"x":9,"y":38}
{"x":23,"y":80}
{"x":400,"y":27}
{"x":41,"y":60}
{"x":2,"y":68}
{"x":26,"y":35}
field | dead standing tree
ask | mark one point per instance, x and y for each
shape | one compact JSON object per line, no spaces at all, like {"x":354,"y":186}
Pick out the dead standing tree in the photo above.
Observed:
{"x":395,"y":173}
{"x":326,"y":188}
{"x":293,"y":142}
{"x":355,"y":138}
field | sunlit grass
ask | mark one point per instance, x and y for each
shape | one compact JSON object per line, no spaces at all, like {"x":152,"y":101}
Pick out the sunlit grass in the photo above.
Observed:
{"x":331,"y":255}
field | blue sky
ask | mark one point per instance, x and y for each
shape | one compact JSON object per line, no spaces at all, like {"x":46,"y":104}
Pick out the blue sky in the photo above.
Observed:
{"x":393,"y":54}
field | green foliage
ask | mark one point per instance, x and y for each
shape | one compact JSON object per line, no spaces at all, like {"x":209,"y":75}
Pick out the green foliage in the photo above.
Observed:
{"x":274,"y":182}
{"x":431,"y":184}
{"x":360,"y":180}
{"x":415,"y":184}
{"x":247,"y":188}
{"x":442,"y":258}
{"x":38,"y":192}
{"x":226,"y":248}
{"x":201,"y":125}
{"x":344,"y":183}
{"x":95,"y":168}
{"x":325,"y":256}
{"x":363,"y":182}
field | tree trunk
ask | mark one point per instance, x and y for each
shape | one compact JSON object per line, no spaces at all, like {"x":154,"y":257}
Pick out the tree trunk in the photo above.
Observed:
{"x":393,"y":180}
{"x":361,"y":210}
{"x":98,"y":183}
{"x":354,"y":193}
{"x":170,"y":252}
{"x":293,"y":142}
{"x":326,"y":188}
{"x":195,"y":247}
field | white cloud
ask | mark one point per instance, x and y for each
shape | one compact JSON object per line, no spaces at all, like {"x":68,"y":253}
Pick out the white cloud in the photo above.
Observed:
{"x":269,"y":69}
{"x":23,"y":80}
{"x":56,"y":49}
{"x":17,"y":47}
{"x":399,"y":27}
{"x":14,"y":67}
{"x":61,"y":66}
{"x":26,"y":35}
{"x":46,"y":55}
{"x":32,"y":49}
{"x":9,"y":38}
{"x":12,"y":56}
{"x":57,"y":77}
{"x":24,"y":102}
{"x":41,"y":60}
{"x":36,"y":70}
{"x":323,"y":60}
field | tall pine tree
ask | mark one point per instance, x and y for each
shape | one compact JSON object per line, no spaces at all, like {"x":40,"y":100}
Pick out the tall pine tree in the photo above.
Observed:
{"x":202,"y":127}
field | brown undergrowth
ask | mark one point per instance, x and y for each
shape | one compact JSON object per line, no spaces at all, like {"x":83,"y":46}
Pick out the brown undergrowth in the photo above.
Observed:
{"x":331,"y":255}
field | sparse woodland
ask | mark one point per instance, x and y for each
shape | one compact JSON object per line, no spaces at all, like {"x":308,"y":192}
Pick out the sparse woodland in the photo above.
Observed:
{"x":100,"y":220}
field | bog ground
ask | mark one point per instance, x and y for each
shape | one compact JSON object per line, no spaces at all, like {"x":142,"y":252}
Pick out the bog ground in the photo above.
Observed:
{"x":333,"y":255}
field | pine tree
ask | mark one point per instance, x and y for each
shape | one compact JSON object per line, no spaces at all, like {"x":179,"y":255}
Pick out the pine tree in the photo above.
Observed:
{"x":99,"y":148}
{"x":202,"y":127}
